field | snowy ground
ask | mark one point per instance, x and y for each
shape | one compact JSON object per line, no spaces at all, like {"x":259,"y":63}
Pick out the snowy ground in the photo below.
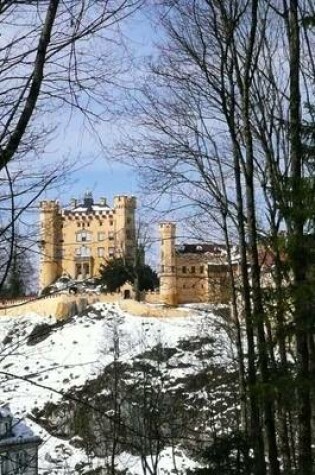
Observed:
{"x":78,"y":350}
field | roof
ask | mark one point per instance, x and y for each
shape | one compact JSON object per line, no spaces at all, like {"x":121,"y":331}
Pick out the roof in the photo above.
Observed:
{"x":21,"y":433}
{"x":5,"y":411}
{"x":83,"y":209}
{"x":14,"y":441}
{"x":201,"y":248}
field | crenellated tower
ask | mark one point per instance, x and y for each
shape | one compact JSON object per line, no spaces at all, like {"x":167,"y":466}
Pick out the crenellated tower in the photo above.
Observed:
{"x":167,"y":274}
{"x":50,"y":242}
{"x":125,"y":226}
{"x":76,"y":240}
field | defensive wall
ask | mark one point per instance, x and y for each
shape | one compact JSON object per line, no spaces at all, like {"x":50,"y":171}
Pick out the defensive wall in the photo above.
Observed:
{"x":63,"y":306}
{"x":59,"y":306}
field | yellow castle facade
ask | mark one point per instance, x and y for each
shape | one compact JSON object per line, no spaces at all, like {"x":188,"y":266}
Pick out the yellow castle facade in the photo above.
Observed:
{"x":76,"y":240}
{"x":192,"y":273}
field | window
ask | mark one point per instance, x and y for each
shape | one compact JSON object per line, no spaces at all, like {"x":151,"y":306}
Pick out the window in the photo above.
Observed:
{"x":111,"y":251}
{"x":77,"y":251}
{"x":184,"y":269}
{"x":111,"y":235}
{"x":101,"y":236}
{"x":193,"y":269}
{"x":100,"y":251}
{"x":128,"y":234}
{"x":201,"y":269}
{"x":85,"y":251}
{"x":173,"y":269}
{"x":7,"y":428}
{"x":162,"y":268}
{"x":83,"y":236}
{"x":4,"y":464}
{"x":128,"y":220}
{"x":22,"y":462}
{"x":59,"y":253}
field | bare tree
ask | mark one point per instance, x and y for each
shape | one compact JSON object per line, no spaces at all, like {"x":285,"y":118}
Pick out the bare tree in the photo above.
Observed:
{"x":54,"y":55}
{"x":222,"y":121}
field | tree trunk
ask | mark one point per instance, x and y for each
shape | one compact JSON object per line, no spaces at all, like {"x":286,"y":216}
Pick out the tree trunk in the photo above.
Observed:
{"x":297,"y":248}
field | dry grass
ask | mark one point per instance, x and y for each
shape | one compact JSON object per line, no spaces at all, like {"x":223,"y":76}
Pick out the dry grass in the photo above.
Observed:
{"x":144,"y":310}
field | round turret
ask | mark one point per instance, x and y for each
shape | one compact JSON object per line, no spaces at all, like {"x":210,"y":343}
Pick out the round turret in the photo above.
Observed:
{"x":168,"y":288}
{"x":50,"y":235}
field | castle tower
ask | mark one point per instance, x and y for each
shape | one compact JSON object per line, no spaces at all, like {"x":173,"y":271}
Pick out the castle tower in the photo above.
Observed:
{"x":50,"y":242}
{"x":125,"y":226}
{"x":168,"y":289}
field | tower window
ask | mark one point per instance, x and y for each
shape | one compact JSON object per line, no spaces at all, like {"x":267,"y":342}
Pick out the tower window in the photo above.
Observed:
{"x":193,"y":269}
{"x":184,"y":269}
{"x":59,"y":253}
{"x":85,"y":251}
{"x":100,"y":251}
{"x":201,"y":269}
{"x":83,"y":236}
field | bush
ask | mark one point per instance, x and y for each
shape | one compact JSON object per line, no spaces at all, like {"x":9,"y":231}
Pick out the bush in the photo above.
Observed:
{"x":228,"y":455}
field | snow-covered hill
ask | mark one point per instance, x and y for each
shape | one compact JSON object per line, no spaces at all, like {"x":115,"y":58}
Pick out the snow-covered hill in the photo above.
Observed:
{"x":47,"y":368}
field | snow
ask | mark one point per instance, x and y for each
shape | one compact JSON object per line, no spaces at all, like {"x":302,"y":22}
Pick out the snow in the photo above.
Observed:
{"x":79,"y":350}
{"x":84,"y":209}
{"x":171,"y":460}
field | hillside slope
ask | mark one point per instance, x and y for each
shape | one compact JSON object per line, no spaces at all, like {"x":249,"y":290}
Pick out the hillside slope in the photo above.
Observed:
{"x":111,"y":389}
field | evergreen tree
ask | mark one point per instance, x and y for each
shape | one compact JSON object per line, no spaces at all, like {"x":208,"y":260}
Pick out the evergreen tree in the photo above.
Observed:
{"x":116,"y":272}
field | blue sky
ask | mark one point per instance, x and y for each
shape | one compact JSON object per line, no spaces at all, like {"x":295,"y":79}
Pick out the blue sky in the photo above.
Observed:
{"x":97,"y":170}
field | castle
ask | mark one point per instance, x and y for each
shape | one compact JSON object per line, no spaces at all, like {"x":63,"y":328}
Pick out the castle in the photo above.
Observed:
{"x":76,"y":240}
{"x":192,"y":273}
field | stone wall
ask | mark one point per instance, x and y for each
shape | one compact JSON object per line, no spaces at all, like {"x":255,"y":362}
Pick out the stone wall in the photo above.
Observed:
{"x":59,"y":306}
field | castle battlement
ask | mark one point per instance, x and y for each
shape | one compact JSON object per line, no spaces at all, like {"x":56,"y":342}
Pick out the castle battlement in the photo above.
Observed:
{"x":167,"y":225}
{"x":191,"y":272}
{"x":78,"y":238}
{"x":49,"y":205}
{"x":123,"y":201}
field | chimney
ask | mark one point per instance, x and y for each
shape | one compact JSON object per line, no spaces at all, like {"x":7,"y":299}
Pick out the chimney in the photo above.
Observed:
{"x":73,"y":203}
